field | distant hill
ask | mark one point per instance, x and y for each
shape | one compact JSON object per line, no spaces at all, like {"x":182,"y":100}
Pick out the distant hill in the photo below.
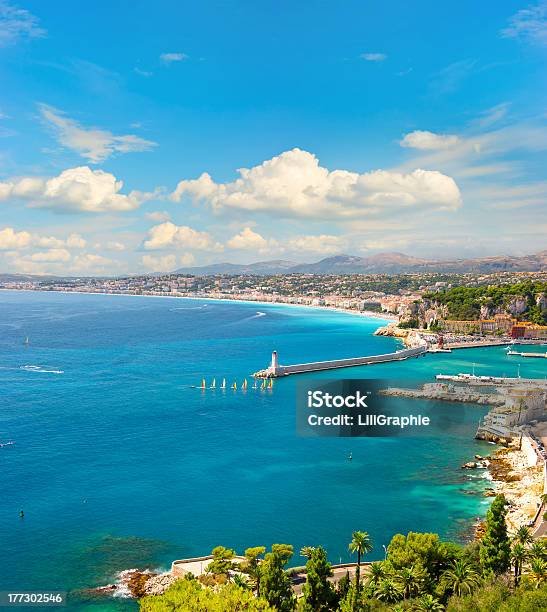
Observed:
{"x":276,"y":266}
{"x":381,"y":263}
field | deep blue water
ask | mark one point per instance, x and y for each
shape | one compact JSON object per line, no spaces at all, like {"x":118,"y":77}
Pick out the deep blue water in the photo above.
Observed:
{"x":118,"y":462}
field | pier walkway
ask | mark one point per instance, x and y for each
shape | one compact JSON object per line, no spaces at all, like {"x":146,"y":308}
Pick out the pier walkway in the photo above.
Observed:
{"x":276,"y":370}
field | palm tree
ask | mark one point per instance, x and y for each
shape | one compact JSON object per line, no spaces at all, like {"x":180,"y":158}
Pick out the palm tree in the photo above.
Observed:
{"x":410,"y":580}
{"x":543,"y":498}
{"x":360,"y":544}
{"x":240,"y":581}
{"x":428,"y":603}
{"x":388,"y":590}
{"x":538,"y":550}
{"x":376,"y":572}
{"x":523,"y":535}
{"x":538,"y":572}
{"x":307,"y":551}
{"x":519,"y":554}
{"x":460,"y":578}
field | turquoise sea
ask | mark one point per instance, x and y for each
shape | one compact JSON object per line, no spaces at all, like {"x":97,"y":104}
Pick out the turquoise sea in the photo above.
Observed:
{"x":118,"y":462}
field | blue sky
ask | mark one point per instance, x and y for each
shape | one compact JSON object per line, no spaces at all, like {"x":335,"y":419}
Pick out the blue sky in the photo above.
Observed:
{"x":363,"y":127}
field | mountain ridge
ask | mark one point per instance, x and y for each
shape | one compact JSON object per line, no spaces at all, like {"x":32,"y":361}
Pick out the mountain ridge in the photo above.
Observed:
{"x":380,"y":263}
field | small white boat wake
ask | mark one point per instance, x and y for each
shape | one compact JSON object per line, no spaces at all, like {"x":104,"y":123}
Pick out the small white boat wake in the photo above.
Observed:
{"x":40,"y":369}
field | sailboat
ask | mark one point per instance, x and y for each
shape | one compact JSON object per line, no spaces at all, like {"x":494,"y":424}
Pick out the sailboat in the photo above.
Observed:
{"x":255,"y":386}
{"x":270,"y":386}
{"x":27,"y":341}
{"x":223,"y":385}
{"x":213,"y":384}
{"x":203,"y":385}
{"x":234,"y":386}
{"x":244,"y":385}
{"x":263,"y":385}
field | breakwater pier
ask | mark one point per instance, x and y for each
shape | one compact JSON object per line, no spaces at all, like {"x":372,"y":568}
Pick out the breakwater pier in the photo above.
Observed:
{"x":276,"y":370}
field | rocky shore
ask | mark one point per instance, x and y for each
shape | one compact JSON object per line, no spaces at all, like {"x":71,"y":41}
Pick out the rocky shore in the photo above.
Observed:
{"x":410,"y":337}
{"x":436,"y":393}
{"x":513,"y":477}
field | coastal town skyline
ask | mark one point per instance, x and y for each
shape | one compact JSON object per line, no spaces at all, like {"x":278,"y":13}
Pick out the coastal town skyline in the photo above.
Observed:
{"x":184,"y":149}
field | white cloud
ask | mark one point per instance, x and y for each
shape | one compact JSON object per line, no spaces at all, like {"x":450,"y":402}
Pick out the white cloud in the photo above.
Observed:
{"x":53,"y":255}
{"x":17,"y":23}
{"x":168,"y":235}
{"x":293,"y":184}
{"x":529,"y":24}
{"x":11,"y":239}
{"x":159,"y":216}
{"x":75,"y":189}
{"x":247,"y":239}
{"x":113,"y":245}
{"x":323,"y":243}
{"x":94,"y":144}
{"x":167,"y":263}
{"x":168,"y":58}
{"x":74,"y":241}
{"x":420,"y":139}
{"x":373,"y":57}
{"x":92,"y":263}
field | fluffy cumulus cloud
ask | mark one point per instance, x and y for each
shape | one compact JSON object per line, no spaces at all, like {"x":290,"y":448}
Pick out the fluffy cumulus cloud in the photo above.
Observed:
{"x":166,"y":263}
{"x":247,"y":239}
{"x":429,"y":141}
{"x":168,"y":235}
{"x":293,"y":184}
{"x":16,"y":24}
{"x":93,"y":144}
{"x":53,"y":255}
{"x":13,"y":240}
{"x":75,"y":189}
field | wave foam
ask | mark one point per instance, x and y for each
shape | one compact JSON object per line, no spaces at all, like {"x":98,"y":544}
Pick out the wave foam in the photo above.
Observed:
{"x":40,"y":369}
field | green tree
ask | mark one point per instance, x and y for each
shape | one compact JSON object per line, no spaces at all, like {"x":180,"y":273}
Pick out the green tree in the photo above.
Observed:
{"x":411,"y":580}
{"x":222,"y":561}
{"x":275,"y":584}
{"x":360,"y":544}
{"x":523,"y":535}
{"x":343,"y":585}
{"x":519,"y":554}
{"x":389,"y":590}
{"x":423,"y":551}
{"x":460,"y":579}
{"x":318,"y":592}
{"x":252,"y":566}
{"x":427,"y":603}
{"x":307,"y":551}
{"x":538,"y":550}
{"x":538,"y":572}
{"x":495,"y":546}
{"x":376,"y":571}
{"x":190,"y":596}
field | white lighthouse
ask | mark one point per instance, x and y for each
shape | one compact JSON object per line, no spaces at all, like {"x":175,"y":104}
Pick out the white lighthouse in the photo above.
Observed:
{"x":275,"y":363}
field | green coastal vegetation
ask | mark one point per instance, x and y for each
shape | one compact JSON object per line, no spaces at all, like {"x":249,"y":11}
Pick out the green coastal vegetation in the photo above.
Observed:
{"x":464,"y":303}
{"x":497,"y":572}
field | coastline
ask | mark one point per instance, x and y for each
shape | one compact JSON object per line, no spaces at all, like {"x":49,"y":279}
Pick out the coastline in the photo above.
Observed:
{"x":369,"y":314}
{"x":520,"y":483}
